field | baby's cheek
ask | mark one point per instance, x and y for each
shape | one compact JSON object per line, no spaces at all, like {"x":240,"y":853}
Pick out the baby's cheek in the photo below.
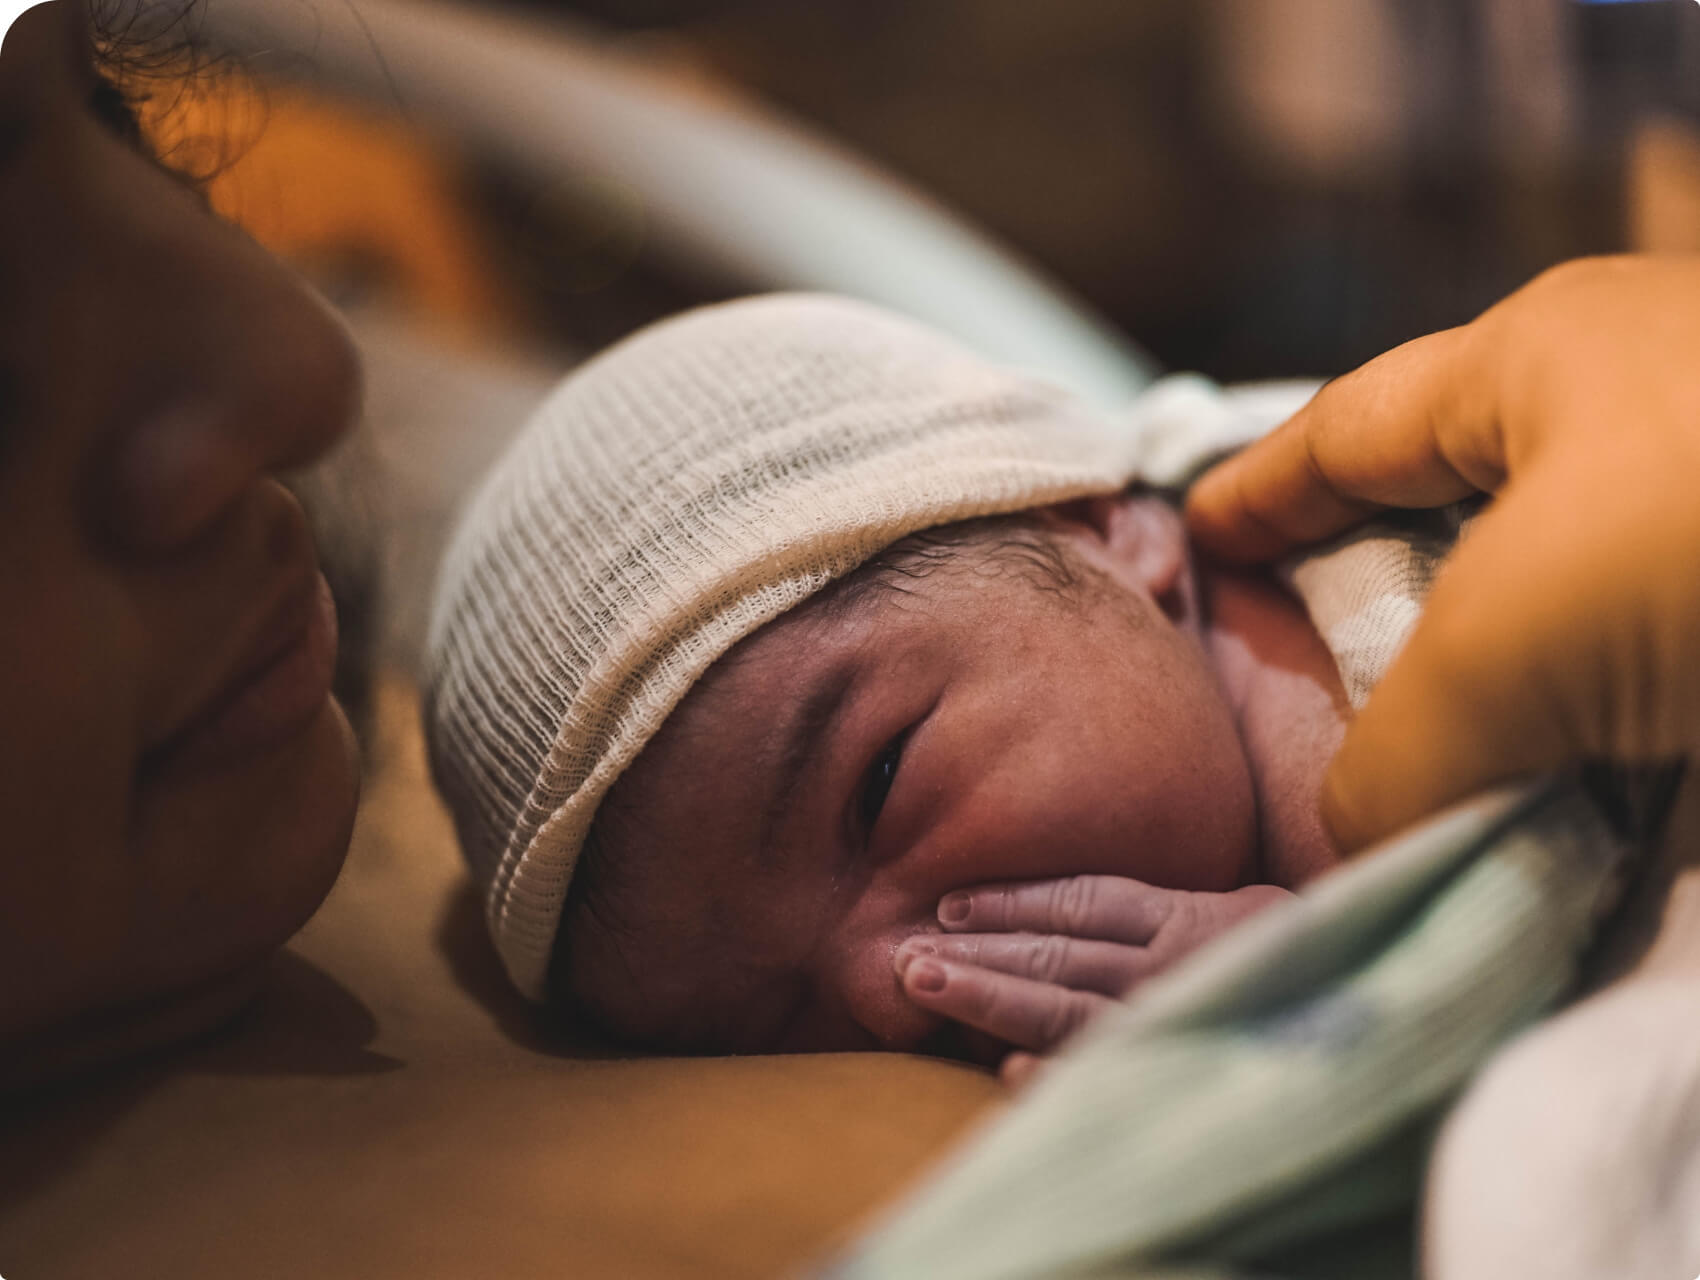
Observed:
{"x":1206,"y":795}
{"x":1217,"y":814}
{"x":859,"y":1002}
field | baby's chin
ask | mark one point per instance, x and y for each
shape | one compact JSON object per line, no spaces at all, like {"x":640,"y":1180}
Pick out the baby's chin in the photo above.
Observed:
{"x":1243,"y":862}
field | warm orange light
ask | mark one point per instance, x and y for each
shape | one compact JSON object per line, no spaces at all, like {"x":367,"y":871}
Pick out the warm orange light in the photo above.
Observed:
{"x":334,"y":187}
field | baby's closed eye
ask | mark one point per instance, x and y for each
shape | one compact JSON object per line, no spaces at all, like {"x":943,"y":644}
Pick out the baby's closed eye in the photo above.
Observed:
{"x":881,"y":777}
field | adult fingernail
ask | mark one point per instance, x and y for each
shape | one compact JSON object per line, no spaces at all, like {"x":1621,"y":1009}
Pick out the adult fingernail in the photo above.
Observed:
{"x":909,"y":950}
{"x":926,"y":975}
{"x":953,"y":908}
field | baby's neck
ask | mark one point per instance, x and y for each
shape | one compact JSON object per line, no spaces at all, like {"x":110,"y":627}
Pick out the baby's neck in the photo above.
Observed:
{"x":1285,"y":692}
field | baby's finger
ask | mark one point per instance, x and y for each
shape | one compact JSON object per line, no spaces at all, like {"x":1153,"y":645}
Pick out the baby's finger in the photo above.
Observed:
{"x":1019,"y":1069}
{"x":1108,"y":968}
{"x":1108,"y":908}
{"x":1027,"y":1014}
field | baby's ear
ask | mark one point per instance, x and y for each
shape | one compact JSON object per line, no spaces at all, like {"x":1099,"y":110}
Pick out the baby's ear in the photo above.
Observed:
{"x":1137,"y":538}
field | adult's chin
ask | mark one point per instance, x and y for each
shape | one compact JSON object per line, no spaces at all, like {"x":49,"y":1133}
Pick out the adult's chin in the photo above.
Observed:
{"x":232,"y":860}
{"x":228,"y":866}
{"x":313,"y":811}
{"x":286,"y":829}
{"x":103,"y":1037}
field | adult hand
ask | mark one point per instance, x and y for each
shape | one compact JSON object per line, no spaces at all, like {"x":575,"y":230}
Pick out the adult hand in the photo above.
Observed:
{"x":1030,"y":962}
{"x":1568,"y":623}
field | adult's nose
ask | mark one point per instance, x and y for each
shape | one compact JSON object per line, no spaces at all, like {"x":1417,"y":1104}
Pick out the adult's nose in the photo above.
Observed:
{"x":268,"y":397}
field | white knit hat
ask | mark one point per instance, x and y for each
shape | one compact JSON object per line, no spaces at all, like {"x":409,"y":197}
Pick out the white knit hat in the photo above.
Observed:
{"x":669,"y":498}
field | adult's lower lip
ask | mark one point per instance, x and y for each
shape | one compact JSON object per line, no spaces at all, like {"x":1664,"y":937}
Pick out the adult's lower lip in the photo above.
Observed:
{"x":273,"y":703}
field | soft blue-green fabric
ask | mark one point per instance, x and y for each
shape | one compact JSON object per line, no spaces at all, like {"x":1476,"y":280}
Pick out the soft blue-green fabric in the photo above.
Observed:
{"x":1277,"y":1095}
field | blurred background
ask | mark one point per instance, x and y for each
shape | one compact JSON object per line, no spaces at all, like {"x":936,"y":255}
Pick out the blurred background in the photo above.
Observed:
{"x":1249,"y":188}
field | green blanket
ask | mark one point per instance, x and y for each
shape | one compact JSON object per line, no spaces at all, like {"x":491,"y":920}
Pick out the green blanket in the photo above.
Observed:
{"x":1266,"y":1110}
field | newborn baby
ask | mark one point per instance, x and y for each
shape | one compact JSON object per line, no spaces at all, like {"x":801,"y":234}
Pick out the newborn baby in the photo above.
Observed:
{"x":798,"y":681}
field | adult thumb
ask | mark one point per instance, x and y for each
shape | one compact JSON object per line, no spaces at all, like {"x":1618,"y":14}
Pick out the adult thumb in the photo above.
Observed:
{"x":1478,"y":695}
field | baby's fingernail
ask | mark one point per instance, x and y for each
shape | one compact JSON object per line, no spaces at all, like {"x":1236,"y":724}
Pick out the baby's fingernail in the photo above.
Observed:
{"x":926,"y":975}
{"x":909,"y":950}
{"x":953,"y":908}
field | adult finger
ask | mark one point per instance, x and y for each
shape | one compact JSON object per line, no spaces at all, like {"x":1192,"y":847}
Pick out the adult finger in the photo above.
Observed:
{"x":1108,"y":968}
{"x":1486,"y":689}
{"x":1106,"y":908}
{"x":1027,"y":1014}
{"x":1416,"y":427}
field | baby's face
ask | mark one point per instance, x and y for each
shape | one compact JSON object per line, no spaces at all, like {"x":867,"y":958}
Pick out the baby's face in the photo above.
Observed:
{"x":828,"y":781}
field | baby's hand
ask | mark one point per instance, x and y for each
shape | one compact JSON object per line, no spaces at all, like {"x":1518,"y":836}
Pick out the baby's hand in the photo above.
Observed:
{"x":1030,"y":962}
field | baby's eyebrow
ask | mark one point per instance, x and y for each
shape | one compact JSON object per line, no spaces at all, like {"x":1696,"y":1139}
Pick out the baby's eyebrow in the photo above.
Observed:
{"x":809,"y":724}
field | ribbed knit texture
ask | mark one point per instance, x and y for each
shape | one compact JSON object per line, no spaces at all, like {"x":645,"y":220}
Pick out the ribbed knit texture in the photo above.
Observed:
{"x":673,"y":495}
